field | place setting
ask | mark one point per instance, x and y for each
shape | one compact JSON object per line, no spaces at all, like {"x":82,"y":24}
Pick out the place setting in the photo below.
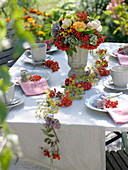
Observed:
{"x":33,"y":82}
{"x":121,"y":53}
{"x":118,"y":80}
{"x":113,"y":103}
{"x":9,"y":97}
{"x":36,"y":54}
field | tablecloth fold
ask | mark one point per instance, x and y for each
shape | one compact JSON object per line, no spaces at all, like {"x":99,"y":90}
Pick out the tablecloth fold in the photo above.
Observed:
{"x":123,"y":59}
{"x":31,"y":88}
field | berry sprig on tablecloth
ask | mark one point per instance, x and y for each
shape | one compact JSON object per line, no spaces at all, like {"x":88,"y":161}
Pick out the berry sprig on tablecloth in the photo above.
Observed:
{"x":52,"y":65}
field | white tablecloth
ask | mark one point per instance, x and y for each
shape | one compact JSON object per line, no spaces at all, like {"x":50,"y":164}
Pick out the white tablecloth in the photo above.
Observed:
{"x":82,"y":135}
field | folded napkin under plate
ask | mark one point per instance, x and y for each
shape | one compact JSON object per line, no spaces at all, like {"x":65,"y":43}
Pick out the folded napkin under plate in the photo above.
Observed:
{"x":31,"y":88}
{"x":120,"y":114}
{"x":123,"y":59}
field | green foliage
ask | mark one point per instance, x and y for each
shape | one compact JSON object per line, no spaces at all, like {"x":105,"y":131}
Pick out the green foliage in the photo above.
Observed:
{"x":4,"y":78}
{"x":5,"y":157}
{"x":116,"y":23}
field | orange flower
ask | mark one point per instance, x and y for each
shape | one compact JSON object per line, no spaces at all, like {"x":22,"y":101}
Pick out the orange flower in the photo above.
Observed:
{"x":26,"y":17}
{"x":27,"y":24}
{"x":79,"y":26}
{"x":31,"y":20}
{"x":40,"y":33}
{"x":39,"y":13}
{"x":32,"y":10}
{"x":7,"y":19}
{"x":40,"y":26}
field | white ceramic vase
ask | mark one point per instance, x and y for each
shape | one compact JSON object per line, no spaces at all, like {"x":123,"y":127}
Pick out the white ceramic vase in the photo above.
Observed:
{"x":78,"y":61}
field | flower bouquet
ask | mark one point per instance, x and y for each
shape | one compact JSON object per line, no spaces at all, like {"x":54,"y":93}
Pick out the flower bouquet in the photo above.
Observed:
{"x":77,"y":30}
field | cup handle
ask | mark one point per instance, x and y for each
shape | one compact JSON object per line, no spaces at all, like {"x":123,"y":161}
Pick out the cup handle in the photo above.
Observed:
{"x":28,"y":54}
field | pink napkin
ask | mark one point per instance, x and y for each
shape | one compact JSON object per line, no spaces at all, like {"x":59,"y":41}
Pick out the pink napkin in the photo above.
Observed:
{"x":119,"y":115}
{"x":31,"y":88}
{"x":123,"y":59}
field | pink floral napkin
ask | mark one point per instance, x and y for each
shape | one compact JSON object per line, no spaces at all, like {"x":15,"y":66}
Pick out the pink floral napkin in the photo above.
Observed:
{"x":119,"y":114}
{"x":31,"y":88}
{"x":123,"y":59}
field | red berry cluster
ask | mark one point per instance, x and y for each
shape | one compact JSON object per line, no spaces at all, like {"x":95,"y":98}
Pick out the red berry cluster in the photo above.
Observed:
{"x":35,"y":77}
{"x":103,"y":62}
{"x":82,"y":15}
{"x":52,"y":65}
{"x":103,"y":71}
{"x":65,"y":101}
{"x":55,"y":155}
{"x":101,"y":52}
{"x":111,"y":104}
{"x":86,"y":85}
{"x":53,"y":93}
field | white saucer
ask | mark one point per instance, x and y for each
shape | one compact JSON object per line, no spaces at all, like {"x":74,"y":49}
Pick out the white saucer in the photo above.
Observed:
{"x":31,"y":61}
{"x":109,"y":84}
{"x":16,"y":102}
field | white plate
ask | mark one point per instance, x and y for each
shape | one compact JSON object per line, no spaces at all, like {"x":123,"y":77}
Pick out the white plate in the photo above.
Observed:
{"x":90,"y":103}
{"x":52,"y":49}
{"x":16,"y":102}
{"x":109,"y":84}
{"x":31,"y":61}
{"x":43,"y":73}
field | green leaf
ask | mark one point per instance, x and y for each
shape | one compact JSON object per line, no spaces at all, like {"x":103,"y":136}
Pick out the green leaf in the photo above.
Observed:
{"x":69,"y":52}
{"x":4,"y":78}
{"x":74,"y":49}
{"x":45,"y":131}
{"x":3,"y":111}
{"x":51,"y":135}
{"x":115,"y":31}
{"x":108,"y":12}
{"x":46,"y":139}
{"x":49,"y":130}
{"x":116,"y":21}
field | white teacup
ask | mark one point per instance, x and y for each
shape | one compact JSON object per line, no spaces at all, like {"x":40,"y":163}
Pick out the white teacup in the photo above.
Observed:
{"x":9,"y":95}
{"x":119,"y":75}
{"x":37,"y":52}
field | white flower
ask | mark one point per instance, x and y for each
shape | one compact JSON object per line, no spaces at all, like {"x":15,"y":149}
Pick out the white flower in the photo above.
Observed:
{"x":96,"y":24}
{"x":66,"y":23}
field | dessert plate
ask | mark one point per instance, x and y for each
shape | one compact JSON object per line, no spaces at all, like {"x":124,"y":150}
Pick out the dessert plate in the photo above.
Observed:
{"x":16,"y":102}
{"x":31,"y":61}
{"x":91,"y":101}
{"x":43,"y":73}
{"x":109,"y":84}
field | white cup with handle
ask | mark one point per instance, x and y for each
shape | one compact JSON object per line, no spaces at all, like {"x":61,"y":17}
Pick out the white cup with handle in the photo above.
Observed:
{"x":119,"y":75}
{"x":37,"y":52}
{"x":9,"y":94}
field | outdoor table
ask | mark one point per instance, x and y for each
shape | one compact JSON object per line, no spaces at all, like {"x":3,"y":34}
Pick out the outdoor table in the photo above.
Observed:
{"x":82,"y":132}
